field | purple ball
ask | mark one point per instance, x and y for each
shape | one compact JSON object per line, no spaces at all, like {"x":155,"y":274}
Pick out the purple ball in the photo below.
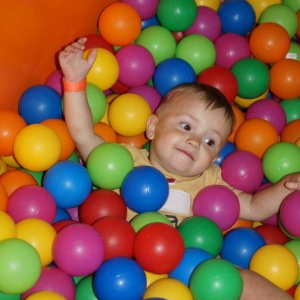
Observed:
{"x":145,"y":8}
{"x":54,"y":80}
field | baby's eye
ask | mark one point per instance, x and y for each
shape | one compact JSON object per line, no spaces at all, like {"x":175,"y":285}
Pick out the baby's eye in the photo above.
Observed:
{"x":185,"y":126}
{"x":209,"y":142}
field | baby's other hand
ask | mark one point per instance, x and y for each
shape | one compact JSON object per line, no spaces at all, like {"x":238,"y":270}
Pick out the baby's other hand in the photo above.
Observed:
{"x":293,"y":182}
{"x":73,"y":65}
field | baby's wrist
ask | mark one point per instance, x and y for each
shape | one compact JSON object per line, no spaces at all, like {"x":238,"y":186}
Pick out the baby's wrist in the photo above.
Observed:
{"x":74,"y":86}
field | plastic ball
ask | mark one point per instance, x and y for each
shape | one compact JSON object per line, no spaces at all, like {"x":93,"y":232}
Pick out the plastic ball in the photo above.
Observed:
{"x":78,"y":249}
{"x":84,"y":289}
{"x":176,"y":15}
{"x":3,"y":198}
{"x":268,"y":110}
{"x":137,"y":141}
{"x":101,"y":203}
{"x":97,"y":41}
{"x":68,"y":182}
{"x":119,"y":24}
{"x":20,"y":264}
{"x":54,"y":280}
{"x":3,"y":166}
{"x":167,"y":288}
{"x":118,"y":236}
{"x":242,"y":170}
{"x":159,"y":41}
{"x":284,"y":79}
{"x":214,"y":4}
{"x":54,"y":80}
{"x":201,"y":233}
{"x":253,"y":77}
{"x":62,"y":215}
{"x":281,"y":159}
{"x":144,"y":189}
{"x":119,"y":278}
{"x":108,"y":164}
{"x":128,"y":114}
{"x":150,"y":22}
{"x":216,"y":279}
{"x":158,"y":248}
{"x":237,"y":17}
{"x":269,"y":42}
{"x":37,"y":147}
{"x":290,"y":132}
{"x":31,"y":201}
{"x":207,"y":23}
{"x":105,"y":131}
{"x":218,"y":203}
{"x":171,"y":72}
{"x":246,"y":102}
{"x":227,"y":149}
{"x":240,"y":244}
{"x":10,"y":125}
{"x":230,"y":48}
{"x":239,"y":119}
{"x":197,"y":50}
{"x":46,"y":295}
{"x":8,"y":226}
{"x":105,"y":70}
{"x":272,"y":234}
{"x":38,"y":103}
{"x":276,"y":263}
{"x":146,"y":9}
{"x":260,"y":5}
{"x":222,"y":79}
{"x":293,"y":245}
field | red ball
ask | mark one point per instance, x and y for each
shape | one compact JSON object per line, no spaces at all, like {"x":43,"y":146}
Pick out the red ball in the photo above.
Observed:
{"x":101,"y":203}
{"x":272,"y":234}
{"x":118,"y":236}
{"x":158,"y":248}
{"x":97,"y":41}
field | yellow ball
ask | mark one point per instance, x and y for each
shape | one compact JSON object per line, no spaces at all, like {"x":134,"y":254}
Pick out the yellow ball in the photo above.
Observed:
{"x":276,"y":263}
{"x":168,"y":288}
{"x":37,"y":147}
{"x":297,"y":293}
{"x":3,"y":166}
{"x":214,"y":4}
{"x":260,"y":5}
{"x":245,"y":103}
{"x":40,"y":235}
{"x":10,"y":161}
{"x":46,"y":295}
{"x":151,"y":277}
{"x":8,"y":226}
{"x":105,"y":70}
{"x":128,"y":114}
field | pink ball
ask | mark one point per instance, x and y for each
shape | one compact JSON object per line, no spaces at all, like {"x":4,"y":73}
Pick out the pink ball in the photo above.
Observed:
{"x":78,"y":249}
{"x":218,"y":203}
{"x":230,"y":48}
{"x":207,"y":23}
{"x":54,"y":80}
{"x":54,"y":280}
{"x":31,"y":201}
{"x":269,"y":110}
{"x":136,"y":65}
{"x":149,"y":93}
{"x":242,"y":170}
{"x":289,"y":214}
{"x":145,"y":8}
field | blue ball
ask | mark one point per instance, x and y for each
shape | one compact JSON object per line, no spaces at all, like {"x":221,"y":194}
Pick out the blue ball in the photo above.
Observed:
{"x":236,"y":17}
{"x":39,"y":103}
{"x":119,"y":278}
{"x":150,"y":22}
{"x":191,"y":259}
{"x":144,"y":189}
{"x":227,"y":149}
{"x":239,"y":245}
{"x":172,"y":72}
{"x":69,"y":183}
{"x":61,"y":215}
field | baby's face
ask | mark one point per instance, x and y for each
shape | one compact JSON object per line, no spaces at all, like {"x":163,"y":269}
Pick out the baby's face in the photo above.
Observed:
{"x":188,"y":137}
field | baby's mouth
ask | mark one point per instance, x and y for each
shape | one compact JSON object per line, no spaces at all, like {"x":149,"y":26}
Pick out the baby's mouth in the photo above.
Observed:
{"x":187,"y":153}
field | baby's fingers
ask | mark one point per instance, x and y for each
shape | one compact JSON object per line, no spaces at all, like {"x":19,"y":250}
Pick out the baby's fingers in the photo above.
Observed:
{"x":292,"y":185}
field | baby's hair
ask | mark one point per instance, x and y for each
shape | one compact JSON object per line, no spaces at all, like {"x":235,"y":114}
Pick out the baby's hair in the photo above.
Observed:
{"x":209,"y":95}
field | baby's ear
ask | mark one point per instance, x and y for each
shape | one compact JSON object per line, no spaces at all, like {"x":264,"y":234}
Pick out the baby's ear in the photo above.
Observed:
{"x":151,"y":126}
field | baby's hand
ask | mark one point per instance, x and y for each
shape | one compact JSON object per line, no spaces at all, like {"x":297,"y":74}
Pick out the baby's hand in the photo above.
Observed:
{"x":73,"y":65}
{"x":293,"y":182}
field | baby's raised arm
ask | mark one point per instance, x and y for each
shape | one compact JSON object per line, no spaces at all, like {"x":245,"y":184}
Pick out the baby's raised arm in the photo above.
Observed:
{"x":77,"y":112}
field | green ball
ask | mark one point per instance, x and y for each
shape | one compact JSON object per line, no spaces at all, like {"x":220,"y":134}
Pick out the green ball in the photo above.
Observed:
{"x":202,"y":233}
{"x":176,"y":15}
{"x":108,"y":164}
{"x":10,"y":297}
{"x":20,"y":266}
{"x":197,"y":50}
{"x":291,"y":108}
{"x":84,"y":289}
{"x":216,"y":279}
{"x":159,"y":41}
{"x":293,"y":4}
{"x":253,"y":77}
{"x":280,"y":160}
{"x":294,"y":246}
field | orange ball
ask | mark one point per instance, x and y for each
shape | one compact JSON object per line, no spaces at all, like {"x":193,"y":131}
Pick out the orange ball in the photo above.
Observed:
{"x":137,"y":141}
{"x":60,"y":128}
{"x":3,"y":198}
{"x":119,"y":24}
{"x":269,"y":42}
{"x":239,"y":119}
{"x":106,"y":132}
{"x":238,"y":224}
{"x":10,"y":124}
{"x":291,"y":132}
{"x":256,"y":136}
{"x":285,"y":79}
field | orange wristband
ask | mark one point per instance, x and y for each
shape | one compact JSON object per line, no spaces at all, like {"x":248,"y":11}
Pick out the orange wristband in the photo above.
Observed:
{"x":74,"y":86}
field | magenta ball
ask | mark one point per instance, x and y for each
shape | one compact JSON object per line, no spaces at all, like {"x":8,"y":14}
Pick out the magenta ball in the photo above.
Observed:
{"x":242,"y":170}
{"x":207,"y":23}
{"x":289,"y":214}
{"x":31,"y":201}
{"x":54,"y":80}
{"x":230,"y":48}
{"x":78,"y":249}
{"x":136,"y":65}
{"x":145,"y":8}
{"x":269,"y":110}
{"x":218,"y":203}
{"x":149,"y":93}
{"x":54,"y":280}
